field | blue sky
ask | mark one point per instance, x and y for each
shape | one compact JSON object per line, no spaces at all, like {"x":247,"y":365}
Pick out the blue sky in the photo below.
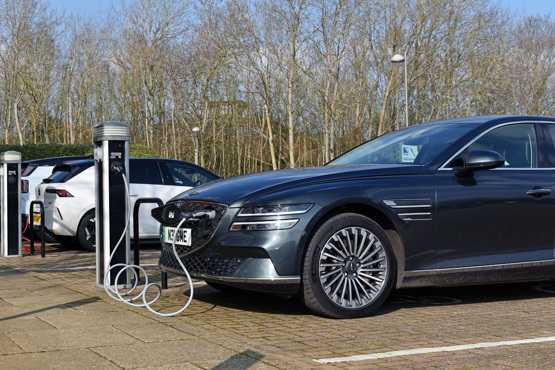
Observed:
{"x":530,"y":7}
{"x":90,"y":7}
{"x":83,"y":7}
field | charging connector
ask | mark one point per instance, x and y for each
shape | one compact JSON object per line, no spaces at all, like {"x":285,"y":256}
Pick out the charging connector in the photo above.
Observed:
{"x":117,"y":167}
{"x":171,"y":214}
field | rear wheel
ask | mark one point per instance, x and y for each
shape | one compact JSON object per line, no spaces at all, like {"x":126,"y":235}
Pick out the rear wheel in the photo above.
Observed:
{"x":86,"y":233}
{"x":66,"y":241}
{"x":349,"y":268}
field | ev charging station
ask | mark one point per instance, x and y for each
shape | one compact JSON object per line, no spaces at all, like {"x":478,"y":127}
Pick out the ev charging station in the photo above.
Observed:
{"x":10,"y":196}
{"x":111,"y":163}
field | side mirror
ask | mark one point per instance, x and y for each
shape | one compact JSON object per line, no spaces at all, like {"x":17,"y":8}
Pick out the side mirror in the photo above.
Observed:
{"x":481,"y":160}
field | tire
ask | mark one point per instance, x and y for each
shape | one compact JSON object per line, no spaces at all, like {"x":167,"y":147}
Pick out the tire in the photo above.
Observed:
{"x":86,"y":232}
{"x":349,"y":268}
{"x":66,"y":241}
{"x":48,"y":237}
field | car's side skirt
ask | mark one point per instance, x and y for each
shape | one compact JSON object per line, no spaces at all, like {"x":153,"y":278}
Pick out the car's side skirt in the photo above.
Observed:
{"x":491,"y":274}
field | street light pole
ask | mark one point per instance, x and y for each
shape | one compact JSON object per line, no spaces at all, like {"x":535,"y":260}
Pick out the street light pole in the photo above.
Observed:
{"x":196,"y":131}
{"x":406,"y":91}
{"x":396,"y":60}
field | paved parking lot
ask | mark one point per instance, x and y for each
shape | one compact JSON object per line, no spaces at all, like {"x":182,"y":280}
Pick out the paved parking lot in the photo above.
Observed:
{"x":53,"y":316}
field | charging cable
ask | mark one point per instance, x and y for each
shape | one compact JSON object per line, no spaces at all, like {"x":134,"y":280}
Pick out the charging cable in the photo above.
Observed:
{"x":113,"y":291}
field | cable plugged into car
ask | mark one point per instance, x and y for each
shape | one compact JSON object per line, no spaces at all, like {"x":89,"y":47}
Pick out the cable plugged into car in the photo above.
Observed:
{"x":125,"y":268}
{"x":114,"y":270}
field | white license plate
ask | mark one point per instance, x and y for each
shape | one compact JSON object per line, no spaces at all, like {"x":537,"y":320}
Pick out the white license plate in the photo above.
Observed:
{"x":182,"y":236}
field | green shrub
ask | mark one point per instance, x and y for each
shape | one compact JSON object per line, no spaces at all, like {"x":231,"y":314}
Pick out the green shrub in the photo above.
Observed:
{"x":38,"y":151}
{"x":140,"y":150}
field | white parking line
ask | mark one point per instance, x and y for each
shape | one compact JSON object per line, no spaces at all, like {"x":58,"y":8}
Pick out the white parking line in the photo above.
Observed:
{"x":419,"y":351}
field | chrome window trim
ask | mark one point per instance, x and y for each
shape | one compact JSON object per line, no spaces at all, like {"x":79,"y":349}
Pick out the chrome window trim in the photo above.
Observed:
{"x":444,"y":168}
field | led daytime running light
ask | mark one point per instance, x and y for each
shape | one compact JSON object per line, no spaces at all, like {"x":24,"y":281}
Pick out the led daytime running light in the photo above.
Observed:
{"x":264,"y":225}
{"x":284,"y":210}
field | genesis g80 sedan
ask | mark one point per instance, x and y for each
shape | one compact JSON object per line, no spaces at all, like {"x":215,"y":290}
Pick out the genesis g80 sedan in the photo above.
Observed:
{"x":464,"y":201}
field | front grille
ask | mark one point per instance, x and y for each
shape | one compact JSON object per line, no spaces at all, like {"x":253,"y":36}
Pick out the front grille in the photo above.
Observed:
{"x":201,"y":231}
{"x":205,"y":264}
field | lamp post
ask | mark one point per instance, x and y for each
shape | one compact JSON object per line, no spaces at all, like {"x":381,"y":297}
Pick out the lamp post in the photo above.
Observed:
{"x":397,"y":59}
{"x":196,"y":132}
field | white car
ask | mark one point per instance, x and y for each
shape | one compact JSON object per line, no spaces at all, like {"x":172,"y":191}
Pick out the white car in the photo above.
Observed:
{"x":32,"y":174}
{"x":69,"y":195}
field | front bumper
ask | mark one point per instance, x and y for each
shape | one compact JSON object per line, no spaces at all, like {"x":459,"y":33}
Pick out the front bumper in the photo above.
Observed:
{"x":242,"y":272}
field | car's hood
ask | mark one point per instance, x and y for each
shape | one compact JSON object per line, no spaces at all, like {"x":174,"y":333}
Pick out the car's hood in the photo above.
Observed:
{"x":242,"y":188}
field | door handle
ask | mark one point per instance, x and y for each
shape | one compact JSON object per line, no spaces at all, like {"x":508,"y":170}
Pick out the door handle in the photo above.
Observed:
{"x":538,"y":192}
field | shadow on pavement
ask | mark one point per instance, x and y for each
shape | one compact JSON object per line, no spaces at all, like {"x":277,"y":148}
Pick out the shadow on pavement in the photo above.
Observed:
{"x":64,"y":306}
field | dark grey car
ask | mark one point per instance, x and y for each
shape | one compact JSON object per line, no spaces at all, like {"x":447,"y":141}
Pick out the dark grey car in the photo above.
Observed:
{"x":447,"y":203}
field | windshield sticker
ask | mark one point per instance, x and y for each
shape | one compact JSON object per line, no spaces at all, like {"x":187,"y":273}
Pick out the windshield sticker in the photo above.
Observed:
{"x":409,"y":153}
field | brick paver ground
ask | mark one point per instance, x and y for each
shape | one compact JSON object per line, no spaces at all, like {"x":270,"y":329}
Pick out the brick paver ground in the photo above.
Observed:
{"x":53,"y":316}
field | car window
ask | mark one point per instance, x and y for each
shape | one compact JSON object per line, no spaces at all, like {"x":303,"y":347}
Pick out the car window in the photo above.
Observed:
{"x":144,"y":172}
{"x":28,"y":169}
{"x":184,"y":175}
{"x":66,"y":171}
{"x":551,"y":129}
{"x":516,"y":143}
{"x":414,"y":145}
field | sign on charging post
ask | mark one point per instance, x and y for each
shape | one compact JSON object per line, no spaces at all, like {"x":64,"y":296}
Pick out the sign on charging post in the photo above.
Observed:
{"x":10,"y":195}
{"x":111,"y":155}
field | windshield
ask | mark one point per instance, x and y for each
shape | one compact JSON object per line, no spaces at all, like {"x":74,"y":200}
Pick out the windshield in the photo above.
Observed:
{"x":414,"y":145}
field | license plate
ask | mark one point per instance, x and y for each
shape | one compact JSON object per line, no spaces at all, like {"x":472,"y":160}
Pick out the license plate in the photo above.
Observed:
{"x":182,"y":236}
{"x":36,"y":219}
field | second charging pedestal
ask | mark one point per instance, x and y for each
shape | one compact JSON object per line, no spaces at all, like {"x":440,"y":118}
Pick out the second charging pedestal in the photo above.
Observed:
{"x":10,"y":196}
{"x":111,"y":155}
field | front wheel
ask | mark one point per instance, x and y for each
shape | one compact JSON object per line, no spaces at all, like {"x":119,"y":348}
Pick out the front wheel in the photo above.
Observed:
{"x":86,"y":233}
{"x":349,"y":267}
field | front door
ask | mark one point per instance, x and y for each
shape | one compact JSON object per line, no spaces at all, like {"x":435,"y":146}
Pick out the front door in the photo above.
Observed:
{"x":497,"y":216}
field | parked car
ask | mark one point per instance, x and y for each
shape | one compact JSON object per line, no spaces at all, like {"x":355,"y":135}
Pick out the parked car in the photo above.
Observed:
{"x":465,"y":201}
{"x":68,"y":195}
{"x":32,"y":174}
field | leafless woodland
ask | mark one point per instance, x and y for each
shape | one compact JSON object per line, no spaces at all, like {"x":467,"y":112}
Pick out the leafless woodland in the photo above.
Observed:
{"x":270,"y":83}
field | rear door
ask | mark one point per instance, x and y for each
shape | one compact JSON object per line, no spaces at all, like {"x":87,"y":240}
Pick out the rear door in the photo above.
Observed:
{"x":549,"y":131}
{"x":145,"y":181}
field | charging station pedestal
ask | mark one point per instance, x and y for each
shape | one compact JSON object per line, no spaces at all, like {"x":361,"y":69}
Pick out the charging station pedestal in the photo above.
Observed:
{"x":111,"y":163}
{"x":10,"y":196}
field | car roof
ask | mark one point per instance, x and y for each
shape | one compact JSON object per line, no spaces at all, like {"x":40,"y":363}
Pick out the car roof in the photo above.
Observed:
{"x":493,"y":120}
{"x":55,"y":160}
{"x":81,"y":165}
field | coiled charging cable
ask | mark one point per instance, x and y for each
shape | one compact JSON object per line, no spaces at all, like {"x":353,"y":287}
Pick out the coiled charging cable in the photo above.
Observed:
{"x":113,"y":291}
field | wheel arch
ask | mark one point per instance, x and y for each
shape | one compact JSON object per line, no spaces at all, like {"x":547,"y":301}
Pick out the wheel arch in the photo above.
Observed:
{"x":78,"y":231}
{"x":372,"y":212}
{"x":83,"y":218}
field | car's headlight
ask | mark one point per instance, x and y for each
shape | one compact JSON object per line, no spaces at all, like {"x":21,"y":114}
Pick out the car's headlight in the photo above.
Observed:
{"x":275,"y":212}
{"x":288,"y":209}
{"x":264,"y":225}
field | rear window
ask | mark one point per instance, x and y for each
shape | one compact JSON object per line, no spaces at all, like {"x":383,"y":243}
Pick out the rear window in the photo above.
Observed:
{"x":29,"y":168}
{"x":64,"y":172}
